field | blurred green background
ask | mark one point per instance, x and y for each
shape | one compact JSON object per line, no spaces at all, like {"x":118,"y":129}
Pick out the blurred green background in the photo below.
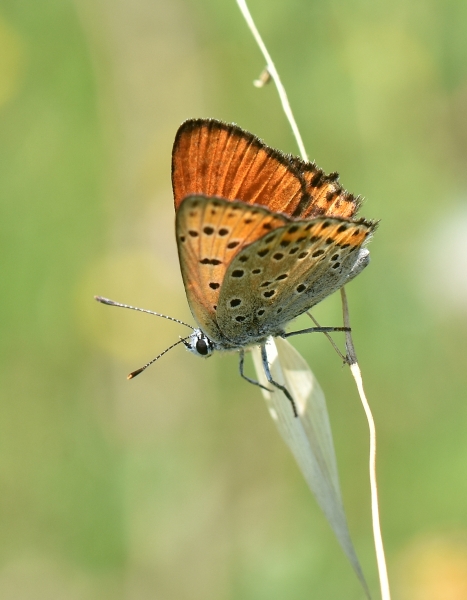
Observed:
{"x":176,"y":485}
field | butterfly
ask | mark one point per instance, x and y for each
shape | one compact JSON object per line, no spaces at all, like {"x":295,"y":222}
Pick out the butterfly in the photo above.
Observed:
{"x":262,"y":237}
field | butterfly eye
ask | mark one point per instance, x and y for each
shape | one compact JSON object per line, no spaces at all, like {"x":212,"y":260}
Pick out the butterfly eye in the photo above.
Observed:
{"x":199,"y":344}
{"x":202,"y":347}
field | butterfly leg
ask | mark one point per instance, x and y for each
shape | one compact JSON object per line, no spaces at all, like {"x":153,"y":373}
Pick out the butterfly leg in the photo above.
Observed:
{"x":324,"y":330}
{"x":240,"y":365}
{"x":283,"y":389}
{"x":315,"y":330}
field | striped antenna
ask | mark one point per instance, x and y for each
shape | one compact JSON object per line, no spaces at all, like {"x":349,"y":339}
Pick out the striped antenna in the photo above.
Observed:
{"x":138,"y":371}
{"x":150,"y":312}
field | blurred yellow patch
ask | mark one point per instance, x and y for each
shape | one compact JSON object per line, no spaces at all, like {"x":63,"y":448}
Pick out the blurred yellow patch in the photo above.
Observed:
{"x":139,"y":279}
{"x":434,"y":568}
{"x":36,"y":577}
{"x":11,"y":61}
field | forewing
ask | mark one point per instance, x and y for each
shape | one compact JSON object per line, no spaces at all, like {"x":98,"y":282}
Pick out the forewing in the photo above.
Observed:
{"x":324,"y":194}
{"x":281,"y":275}
{"x":217,"y":159}
{"x":210,"y":232}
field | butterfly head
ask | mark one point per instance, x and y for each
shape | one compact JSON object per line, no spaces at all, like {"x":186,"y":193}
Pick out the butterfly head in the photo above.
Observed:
{"x":199,"y":344}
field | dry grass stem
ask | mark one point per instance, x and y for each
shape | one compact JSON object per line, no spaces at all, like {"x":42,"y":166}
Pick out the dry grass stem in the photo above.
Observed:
{"x":351,"y":355}
{"x":270,"y":67}
{"x":357,"y":375}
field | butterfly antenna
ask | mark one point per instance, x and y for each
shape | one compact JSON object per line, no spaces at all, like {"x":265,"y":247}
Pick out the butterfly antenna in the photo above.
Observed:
{"x":150,"y":312}
{"x":138,"y":371}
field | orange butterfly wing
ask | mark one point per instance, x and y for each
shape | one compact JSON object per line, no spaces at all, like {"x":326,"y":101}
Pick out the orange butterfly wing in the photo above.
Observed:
{"x":324,"y":194}
{"x":280,"y":276}
{"x":210,"y":232}
{"x":218,"y":159}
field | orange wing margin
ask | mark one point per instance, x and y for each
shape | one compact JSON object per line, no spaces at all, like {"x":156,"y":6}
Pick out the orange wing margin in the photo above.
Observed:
{"x":325,"y":196}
